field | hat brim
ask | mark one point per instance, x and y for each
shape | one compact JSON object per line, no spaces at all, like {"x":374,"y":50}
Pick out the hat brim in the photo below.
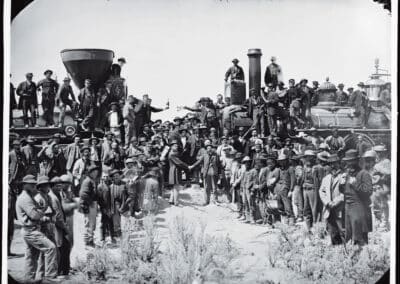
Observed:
{"x":350,"y":159}
{"x":29,"y":182}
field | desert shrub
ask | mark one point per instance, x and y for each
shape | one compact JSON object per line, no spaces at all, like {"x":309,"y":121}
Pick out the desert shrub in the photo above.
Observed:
{"x":98,"y":265}
{"x":193,"y":255}
{"x":313,"y":257}
{"x":140,"y":251}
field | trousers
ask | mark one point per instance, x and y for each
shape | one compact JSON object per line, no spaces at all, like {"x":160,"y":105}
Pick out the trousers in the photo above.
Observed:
{"x":250,"y":205}
{"x":259,"y":121}
{"x":89,"y":220}
{"x":28,"y":106}
{"x":284,"y":203}
{"x":64,"y":252}
{"x":36,"y":242}
{"x":298,"y":202}
{"x":174,"y":197}
{"x":107,"y":226}
{"x":210,"y":188}
{"x":48,"y":105}
{"x":310,"y":206}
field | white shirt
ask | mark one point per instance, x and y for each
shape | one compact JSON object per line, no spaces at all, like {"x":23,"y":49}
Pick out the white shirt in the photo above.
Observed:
{"x":114,"y":119}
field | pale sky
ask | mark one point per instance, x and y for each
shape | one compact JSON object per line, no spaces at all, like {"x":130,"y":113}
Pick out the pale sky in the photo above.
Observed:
{"x":180,"y":49}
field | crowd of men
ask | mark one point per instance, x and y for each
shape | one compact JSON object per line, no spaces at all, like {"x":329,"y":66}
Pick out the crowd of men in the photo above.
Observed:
{"x":126,"y":173}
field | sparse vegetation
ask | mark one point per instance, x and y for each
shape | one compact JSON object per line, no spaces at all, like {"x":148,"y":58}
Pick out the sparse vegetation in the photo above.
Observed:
{"x":314,"y":258}
{"x":190,"y":255}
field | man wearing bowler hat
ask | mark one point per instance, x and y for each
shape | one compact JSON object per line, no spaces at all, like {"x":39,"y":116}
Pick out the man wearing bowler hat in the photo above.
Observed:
{"x":66,"y":97}
{"x":49,"y":89}
{"x":235,"y":72}
{"x":88,"y":203}
{"x":333,"y":200}
{"x":28,"y":101}
{"x":31,"y":216}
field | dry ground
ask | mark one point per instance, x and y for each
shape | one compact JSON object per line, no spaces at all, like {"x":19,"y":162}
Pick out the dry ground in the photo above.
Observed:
{"x":253,"y":241}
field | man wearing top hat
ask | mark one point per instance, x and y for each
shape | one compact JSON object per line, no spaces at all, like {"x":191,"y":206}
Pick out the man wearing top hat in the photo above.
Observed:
{"x":332,"y":198}
{"x":31,"y":217}
{"x":273,"y":73}
{"x":87,"y":105}
{"x":235,"y":72}
{"x":88,"y":203}
{"x":66,"y":97}
{"x":49,"y":89}
{"x":28,"y":101}
{"x":341,"y":96}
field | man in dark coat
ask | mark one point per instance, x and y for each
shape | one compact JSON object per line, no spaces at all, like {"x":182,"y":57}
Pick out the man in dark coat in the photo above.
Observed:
{"x":235,"y":72}
{"x":271,"y":100}
{"x":63,"y":100}
{"x":104,"y":100}
{"x":87,"y":100}
{"x":88,"y":203}
{"x":28,"y":99}
{"x":30,"y":153}
{"x":273,"y":73}
{"x":49,"y":89}
{"x":143,"y":110}
{"x":211,"y":166}
{"x":176,"y":165}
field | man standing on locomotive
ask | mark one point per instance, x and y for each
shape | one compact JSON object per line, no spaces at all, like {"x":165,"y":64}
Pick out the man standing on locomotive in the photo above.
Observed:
{"x":235,"y":71}
{"x":49,"y":90}
{"x":28,"y":99}
{"x":63,"y":100}
{"x":87,"y":101}
{"x":273,"y":73}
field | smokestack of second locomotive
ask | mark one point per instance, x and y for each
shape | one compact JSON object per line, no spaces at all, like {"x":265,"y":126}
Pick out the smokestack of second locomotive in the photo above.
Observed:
{"x":254,"y":55}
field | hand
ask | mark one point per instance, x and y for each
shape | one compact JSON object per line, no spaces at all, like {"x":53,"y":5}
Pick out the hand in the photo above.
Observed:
{"x":190,"y":167}
{"x":290,"y":194}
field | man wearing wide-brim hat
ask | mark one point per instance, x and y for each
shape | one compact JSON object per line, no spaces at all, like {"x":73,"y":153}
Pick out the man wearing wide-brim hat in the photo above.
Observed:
{"x":49,"y":89}
{"x":31,"y":156}
{"x":246,"y":189}
{"x":235,"y":72}
{"x":88,"y":204}
{"x":310,"y":189}
{"x":284,"y":187}
{"x":356,"y":212}
{"x":333,"y":200}
{"x":31,"y":216}
{"x":357,"y":100}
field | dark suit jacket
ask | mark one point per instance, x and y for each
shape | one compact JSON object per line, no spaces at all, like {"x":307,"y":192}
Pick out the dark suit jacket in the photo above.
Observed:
{"x":176,"y":165}
{"x":28,"y":92}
